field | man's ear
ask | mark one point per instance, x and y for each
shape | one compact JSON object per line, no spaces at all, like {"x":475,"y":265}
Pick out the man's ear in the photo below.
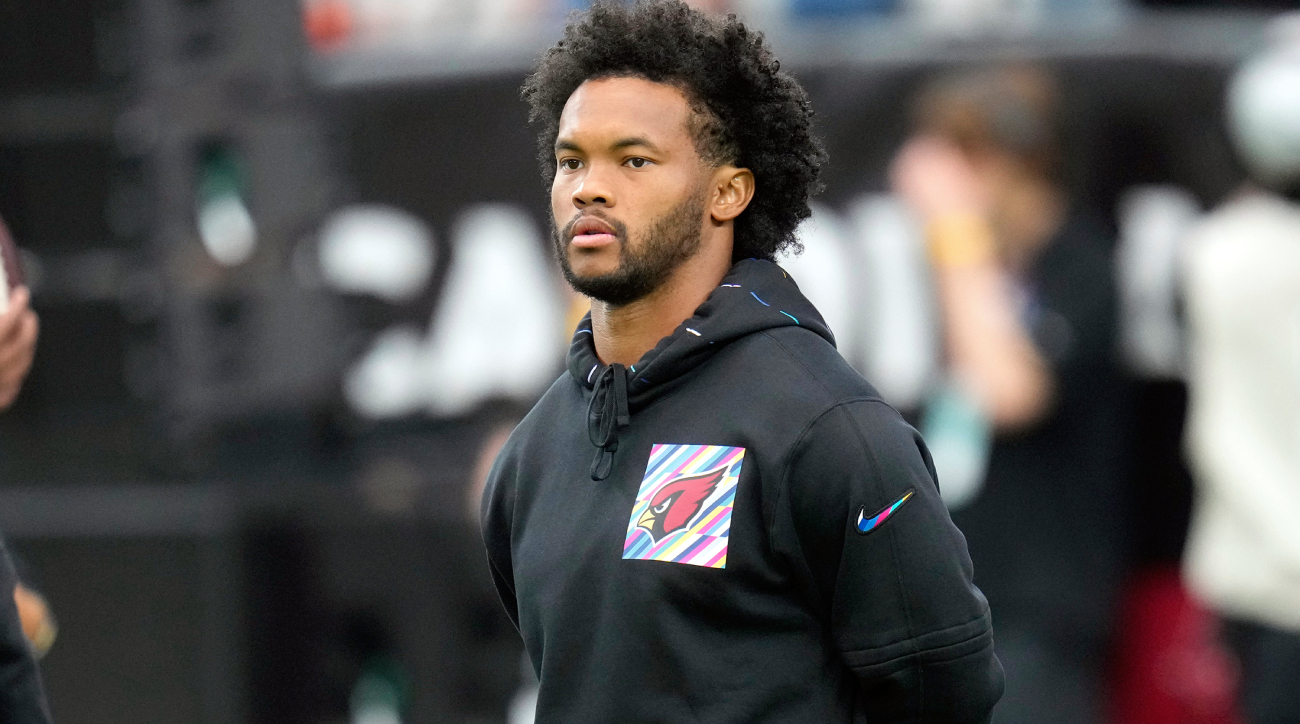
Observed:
{"x":732,"y":190}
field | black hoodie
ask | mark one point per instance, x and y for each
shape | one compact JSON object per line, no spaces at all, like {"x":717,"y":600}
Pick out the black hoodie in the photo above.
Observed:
{"x":610,"y":515}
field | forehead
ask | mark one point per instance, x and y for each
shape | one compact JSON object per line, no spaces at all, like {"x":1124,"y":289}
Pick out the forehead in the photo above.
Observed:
{"x":626,"y":107}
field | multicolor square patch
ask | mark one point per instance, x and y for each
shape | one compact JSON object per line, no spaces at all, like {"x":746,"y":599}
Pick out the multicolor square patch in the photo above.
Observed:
{"x":682,"y":513}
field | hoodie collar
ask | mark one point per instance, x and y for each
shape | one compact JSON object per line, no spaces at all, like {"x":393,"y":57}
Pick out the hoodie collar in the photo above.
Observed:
{"x":754,"y":296}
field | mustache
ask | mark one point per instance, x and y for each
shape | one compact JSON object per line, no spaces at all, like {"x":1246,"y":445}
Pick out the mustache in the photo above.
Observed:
{"x":620,"y":229}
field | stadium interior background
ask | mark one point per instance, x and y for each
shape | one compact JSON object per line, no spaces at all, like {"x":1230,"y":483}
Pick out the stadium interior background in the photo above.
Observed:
{"x":229,"y":516}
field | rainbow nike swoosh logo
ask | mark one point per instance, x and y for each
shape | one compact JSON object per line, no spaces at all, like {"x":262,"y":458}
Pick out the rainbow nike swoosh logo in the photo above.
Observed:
{"x":865,"y":525}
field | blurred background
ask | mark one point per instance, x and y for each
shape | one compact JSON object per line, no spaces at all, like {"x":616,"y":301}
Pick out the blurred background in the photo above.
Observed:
{"x":292,"y":268}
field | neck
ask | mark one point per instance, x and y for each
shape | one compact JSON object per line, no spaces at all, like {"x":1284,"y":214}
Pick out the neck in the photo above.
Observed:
{"x":623,"y":334}
{"x":1031,"y":214}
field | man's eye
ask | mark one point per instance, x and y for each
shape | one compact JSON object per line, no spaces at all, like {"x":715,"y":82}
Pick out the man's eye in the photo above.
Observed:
{"x":570,"y":164}
{"x":638,"y":162}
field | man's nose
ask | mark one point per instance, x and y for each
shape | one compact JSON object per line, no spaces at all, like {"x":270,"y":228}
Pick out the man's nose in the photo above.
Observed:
{"x":595,"y":189}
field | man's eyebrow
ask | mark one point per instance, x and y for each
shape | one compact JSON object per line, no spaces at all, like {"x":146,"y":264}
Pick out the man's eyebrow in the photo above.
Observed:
{"x":630,"y":141}
{"x":634,"y":141}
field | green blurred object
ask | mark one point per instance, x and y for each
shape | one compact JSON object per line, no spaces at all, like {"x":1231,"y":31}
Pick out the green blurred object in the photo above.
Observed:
{"x":960,"y":438}
{"x":221,"y":173}
{"x":225,"y":224}
{"x":382,"y":692}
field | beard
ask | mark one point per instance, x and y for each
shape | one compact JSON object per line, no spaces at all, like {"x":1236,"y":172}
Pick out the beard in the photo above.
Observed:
{"x":643,"y":267}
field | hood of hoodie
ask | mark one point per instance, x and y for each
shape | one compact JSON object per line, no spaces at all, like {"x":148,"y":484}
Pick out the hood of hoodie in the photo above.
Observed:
{"x":755,"y":295}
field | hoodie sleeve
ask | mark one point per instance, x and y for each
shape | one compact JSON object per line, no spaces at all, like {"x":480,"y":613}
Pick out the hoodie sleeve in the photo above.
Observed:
{"x":496,"y":513}
{"x":899,"y":597}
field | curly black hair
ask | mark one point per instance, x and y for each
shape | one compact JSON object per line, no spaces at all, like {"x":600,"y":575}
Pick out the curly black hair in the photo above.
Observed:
{"x":747,"y":112}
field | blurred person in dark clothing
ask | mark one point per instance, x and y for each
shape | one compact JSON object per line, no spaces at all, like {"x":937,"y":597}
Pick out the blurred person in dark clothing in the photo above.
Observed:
{"x":1025,"y":290}
{"x":22,"y":698}
{"x":1242,"y":284}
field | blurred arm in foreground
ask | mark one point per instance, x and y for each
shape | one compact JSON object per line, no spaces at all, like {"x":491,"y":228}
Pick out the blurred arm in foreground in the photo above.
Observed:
{"x":18,"y":331}
{"x":22,"y":697}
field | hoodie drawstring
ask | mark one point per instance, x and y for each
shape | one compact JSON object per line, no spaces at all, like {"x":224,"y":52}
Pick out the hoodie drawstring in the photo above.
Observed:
{"x":606,"y":413}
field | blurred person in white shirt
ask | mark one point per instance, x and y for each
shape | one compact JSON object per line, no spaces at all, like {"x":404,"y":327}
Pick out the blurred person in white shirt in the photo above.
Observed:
{"x":1242,"y":284}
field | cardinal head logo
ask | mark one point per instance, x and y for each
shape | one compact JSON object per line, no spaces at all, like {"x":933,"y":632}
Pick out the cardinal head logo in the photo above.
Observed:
{"x":678,"y":502}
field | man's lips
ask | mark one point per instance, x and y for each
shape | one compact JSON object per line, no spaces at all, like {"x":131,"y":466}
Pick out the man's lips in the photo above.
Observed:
{"x":590,"y":232}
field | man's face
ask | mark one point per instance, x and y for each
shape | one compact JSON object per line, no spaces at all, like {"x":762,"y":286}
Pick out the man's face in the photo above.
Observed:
{"x":630,"y":188}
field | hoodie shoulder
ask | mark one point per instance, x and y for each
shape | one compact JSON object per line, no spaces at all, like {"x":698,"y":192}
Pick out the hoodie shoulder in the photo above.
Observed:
{"x":813,"y":364}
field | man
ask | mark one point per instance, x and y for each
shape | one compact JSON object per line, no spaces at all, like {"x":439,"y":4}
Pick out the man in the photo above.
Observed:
{"x":711,"y":517}
{"x":1242,"y":276}
{"x":22,"y":699}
